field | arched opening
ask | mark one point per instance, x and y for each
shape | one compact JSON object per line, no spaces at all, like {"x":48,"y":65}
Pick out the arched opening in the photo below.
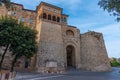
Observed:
{"x":58,"y":19}
{"x":70,"y":51}
{"x":70,"y":33}
{"x":54,"y":18}
{"x":44,"y":16}
{"x":49,"y":17}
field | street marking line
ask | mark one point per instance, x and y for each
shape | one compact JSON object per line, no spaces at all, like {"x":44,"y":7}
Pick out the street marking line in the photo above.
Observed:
{"x":46,"y":77}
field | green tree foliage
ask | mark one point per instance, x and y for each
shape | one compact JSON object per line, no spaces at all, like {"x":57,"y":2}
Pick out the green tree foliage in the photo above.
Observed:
{"x":24,"y":44}
{"x":114,"y":63}
{"x":7,"y":3}
{"x":20,"y":40}
{"x":112,"y":6}
{"x":6,"y":25}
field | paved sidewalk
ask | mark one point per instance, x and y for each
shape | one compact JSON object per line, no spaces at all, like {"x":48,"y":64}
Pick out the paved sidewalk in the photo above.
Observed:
{"x":71,"y":75}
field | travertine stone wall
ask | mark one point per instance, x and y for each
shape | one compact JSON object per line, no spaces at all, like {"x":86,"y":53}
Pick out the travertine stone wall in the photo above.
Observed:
{"x":50,"y":46}
{"x":17,"y":11}
{"x":72,"y":40}
{"x":54,"y":36}
{"x":8,"y":60}
{"x":3,"y":11}
{"x":93,"y":52}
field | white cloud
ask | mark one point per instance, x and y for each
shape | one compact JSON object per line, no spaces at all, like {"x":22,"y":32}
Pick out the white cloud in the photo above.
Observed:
{"x":88,"y":25}
{"x":110,"y":29}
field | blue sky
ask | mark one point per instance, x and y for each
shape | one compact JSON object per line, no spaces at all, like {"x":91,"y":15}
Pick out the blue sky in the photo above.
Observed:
{"x":86,"y":15}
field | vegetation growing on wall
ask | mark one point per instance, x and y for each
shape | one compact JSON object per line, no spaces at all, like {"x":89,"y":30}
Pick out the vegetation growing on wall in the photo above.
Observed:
{"x":7,"y":3}
{"x":115,"y":63}
{"x":95,"y":35}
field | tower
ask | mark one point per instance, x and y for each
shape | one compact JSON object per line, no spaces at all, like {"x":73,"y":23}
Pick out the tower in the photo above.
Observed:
{"x":59,"y":45}
{"x":50,"y":55}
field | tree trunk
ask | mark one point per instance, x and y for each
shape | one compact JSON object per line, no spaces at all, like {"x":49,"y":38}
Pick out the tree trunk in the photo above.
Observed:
{"x":3,"y":55}
{"x":13,"y":63}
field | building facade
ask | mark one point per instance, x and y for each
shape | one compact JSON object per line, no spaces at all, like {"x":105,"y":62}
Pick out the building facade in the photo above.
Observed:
{"x":59,"y":45}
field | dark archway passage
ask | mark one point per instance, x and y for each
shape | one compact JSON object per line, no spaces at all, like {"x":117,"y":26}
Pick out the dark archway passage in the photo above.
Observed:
{"x":70,"y":50}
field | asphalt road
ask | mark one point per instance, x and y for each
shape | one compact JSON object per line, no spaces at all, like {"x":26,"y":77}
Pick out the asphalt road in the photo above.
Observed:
{"x":71,"y":75}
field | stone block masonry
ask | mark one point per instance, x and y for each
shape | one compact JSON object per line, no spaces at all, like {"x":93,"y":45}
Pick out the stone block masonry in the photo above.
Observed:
{"x":60,"y":45}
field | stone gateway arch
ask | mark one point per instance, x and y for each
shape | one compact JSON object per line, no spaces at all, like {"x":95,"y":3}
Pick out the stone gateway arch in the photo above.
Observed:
{"x":59,"y":45}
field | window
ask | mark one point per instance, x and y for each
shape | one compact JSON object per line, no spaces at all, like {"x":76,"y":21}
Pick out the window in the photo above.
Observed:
{"x":31,"y":20}
{"x":49,"y":17}
{"x":44,"y":16}
{"x":22,"y":19}
{"x":14,"y":13}
{"x":65,"y":20}
{"x":9,"y":12}
{"x":54,"y":10}
{"x":62,"y":19}
{"x":58,"y":19}
{"x":69,"y":33}
{"x":54,"y":18}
